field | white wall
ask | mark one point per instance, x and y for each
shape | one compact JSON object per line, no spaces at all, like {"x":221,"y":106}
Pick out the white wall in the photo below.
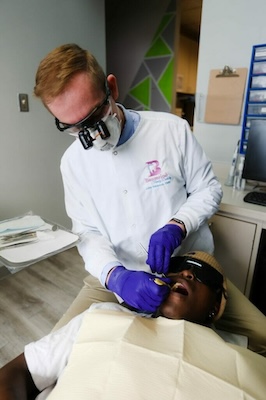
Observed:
{"x":30,"y":145}
{"x":229,"y":29}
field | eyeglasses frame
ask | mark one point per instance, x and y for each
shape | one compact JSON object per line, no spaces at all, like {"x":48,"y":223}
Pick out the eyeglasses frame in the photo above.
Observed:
{"x":82,"y":122}
{"x":179,"y":264}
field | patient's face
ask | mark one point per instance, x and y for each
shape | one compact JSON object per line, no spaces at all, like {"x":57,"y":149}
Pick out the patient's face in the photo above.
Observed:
{"x":189,"y":299}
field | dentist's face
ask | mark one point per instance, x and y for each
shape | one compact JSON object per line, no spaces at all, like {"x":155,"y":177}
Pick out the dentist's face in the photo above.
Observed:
{"x":80,"y":98}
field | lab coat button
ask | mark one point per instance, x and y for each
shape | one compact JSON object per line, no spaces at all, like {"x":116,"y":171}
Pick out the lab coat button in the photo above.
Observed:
{"x":125,"y":191}
{"x":115,"y":153}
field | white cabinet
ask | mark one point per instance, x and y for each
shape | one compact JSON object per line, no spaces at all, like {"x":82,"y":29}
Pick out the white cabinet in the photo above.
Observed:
{"x":237,"y":229}
{"x":234,"y":242}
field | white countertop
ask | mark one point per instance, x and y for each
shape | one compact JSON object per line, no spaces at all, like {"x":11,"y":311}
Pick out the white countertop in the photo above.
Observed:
{"x":233,"y":203}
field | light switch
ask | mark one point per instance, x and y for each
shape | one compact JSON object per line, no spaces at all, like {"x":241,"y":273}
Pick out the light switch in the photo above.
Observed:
{"x":23,"y":102}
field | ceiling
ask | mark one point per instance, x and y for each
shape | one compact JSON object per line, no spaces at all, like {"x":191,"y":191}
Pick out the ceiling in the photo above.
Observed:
{"x":190,"y":18}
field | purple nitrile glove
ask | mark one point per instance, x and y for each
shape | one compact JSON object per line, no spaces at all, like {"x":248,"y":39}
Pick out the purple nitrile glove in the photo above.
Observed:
{"x":138,"y":289}
{"x":162,"y":244}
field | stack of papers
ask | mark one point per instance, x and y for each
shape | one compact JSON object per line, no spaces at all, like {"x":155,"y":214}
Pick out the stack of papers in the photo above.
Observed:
{"x":28,"y":239}
{"x":20,"y":230}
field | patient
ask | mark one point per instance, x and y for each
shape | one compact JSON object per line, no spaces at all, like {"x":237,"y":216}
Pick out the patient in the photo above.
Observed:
{"x":198,"y":289}
{"x":197,"y":293}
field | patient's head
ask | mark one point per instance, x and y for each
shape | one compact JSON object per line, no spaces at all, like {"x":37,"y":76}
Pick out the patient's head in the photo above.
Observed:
{"x":198,"y":290}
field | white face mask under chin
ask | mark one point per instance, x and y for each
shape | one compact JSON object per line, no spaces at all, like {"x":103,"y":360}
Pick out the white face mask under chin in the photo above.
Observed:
{"x":114,"y":127}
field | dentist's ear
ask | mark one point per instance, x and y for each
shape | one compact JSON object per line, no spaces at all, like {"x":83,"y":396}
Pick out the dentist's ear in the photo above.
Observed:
{"x":112,"y":84}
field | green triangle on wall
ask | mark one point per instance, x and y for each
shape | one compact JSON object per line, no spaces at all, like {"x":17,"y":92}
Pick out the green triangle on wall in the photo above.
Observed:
{"x":166,"y":81}
{"x":141,"y":92}
{"x":164,"y":22}
{"x":158,"y":48}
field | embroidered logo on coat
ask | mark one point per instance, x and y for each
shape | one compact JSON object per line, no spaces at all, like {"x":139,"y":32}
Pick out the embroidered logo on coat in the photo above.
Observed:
{"x":154,"y":167}
{"x":155,"y":175}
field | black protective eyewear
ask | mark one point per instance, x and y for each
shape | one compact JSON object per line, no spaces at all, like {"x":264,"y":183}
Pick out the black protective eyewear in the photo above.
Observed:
{"x":201,"y":271}
{"x":89,"y":121}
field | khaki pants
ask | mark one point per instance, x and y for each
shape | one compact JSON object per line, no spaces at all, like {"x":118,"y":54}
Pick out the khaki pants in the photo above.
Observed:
{"x":92,"y":292}
{"x":240,"y":315}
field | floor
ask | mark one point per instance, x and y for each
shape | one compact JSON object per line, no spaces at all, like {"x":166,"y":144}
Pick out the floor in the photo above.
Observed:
{"x":34,"y":299}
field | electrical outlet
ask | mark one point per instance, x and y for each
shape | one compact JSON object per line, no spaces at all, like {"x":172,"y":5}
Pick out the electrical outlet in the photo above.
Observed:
{"x":23,"y":102}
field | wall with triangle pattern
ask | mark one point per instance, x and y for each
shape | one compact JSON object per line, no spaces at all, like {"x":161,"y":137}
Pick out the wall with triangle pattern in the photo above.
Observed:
{"x":152,"y":86}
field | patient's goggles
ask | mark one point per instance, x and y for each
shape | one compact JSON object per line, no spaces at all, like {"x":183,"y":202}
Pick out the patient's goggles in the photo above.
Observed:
{"x":93,"y":121}
{"x":201,"y":271}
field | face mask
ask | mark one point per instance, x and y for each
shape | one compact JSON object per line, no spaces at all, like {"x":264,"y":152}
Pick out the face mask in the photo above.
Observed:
{"x":110,"y":125}
{"x":104,"y":135}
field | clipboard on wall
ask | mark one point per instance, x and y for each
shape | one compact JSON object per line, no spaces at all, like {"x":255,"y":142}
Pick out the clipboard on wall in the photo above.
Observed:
{"x":225,"y":96}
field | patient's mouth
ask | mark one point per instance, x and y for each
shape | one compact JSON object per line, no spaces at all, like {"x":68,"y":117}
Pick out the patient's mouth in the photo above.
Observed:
{"x":179,"y":288}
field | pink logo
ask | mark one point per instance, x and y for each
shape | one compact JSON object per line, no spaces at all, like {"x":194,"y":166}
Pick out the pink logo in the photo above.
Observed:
{"x":153,"y":167}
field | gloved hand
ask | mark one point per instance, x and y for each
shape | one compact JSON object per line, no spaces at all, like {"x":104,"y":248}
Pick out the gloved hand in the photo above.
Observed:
{"x":162,"y":244}
{"x":138,"y":289}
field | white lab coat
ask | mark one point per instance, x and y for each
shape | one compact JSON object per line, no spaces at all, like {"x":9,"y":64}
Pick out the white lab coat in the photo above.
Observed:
{"x":117,"y":199}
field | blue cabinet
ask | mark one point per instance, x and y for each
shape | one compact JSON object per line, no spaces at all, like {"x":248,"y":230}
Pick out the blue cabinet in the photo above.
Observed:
{"x":255,"y":102}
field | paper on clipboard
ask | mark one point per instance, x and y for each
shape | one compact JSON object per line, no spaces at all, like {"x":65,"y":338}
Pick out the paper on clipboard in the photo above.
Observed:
{"x":225,"y":97}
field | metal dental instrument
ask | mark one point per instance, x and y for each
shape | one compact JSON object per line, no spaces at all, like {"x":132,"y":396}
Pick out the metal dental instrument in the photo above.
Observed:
{"x":173,"y":287}
{"x":159,"y":282}
{"x":143,"y":248}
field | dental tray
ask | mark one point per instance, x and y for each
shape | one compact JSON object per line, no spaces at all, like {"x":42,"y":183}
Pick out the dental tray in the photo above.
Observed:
{"x":27,"y":239}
